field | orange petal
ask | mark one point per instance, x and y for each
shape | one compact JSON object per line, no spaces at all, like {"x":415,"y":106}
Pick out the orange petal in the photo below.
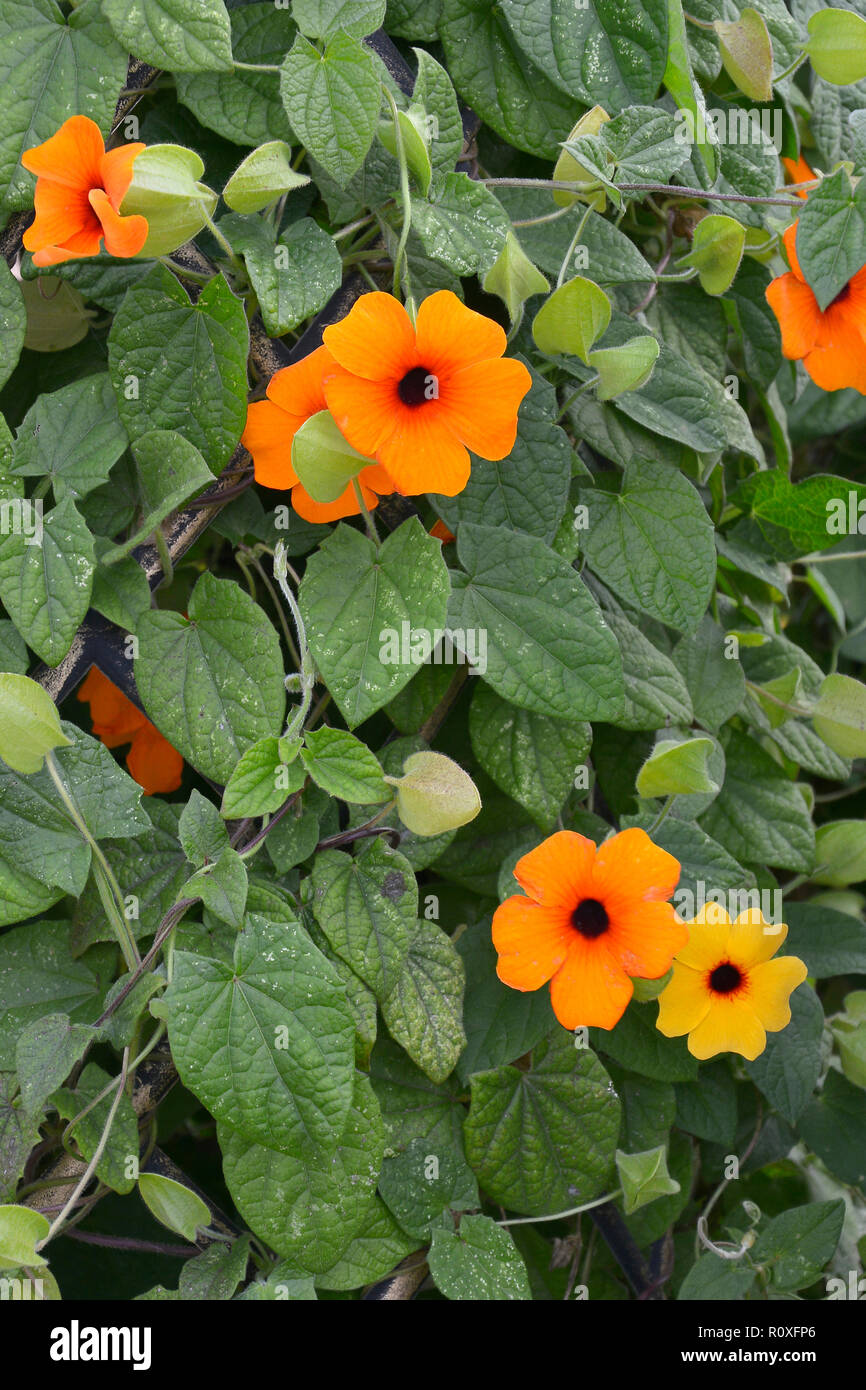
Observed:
{"x":450,"y":337}
{"x":629,"y":866}
{"x":375,"y":340}
{"x":298,"y":388}
{"x":116,"y":171}
{"x":799,"y":172}
{"x":646,"y":940}
{"x":115,"y":718}
{"x":345,"y":505}
{"x":532,"y":942}
{"x":72,"y":157}
{"x":480,"y":405}
{"x":558,"y":872}
{"x":839,"y":356}
{"x":60,"y":213}
{"x":365,"y":411}
{"x":422,"y":453}
{"x":268,"y":436}
{"x":124,"y":236}
{"x":790,"y":239}
{"x":796,"y":308}
{"x":155,"y":765}
{"x":441,"y":532}
{"x":591,"y":989}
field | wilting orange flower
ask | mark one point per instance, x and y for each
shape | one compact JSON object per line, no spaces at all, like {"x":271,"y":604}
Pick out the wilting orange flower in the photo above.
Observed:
{"x":726,"y":991}
{"x":79,"y":189}
{"x":831,"y":343}
{"x":155,"y":765}
{"x":418,"y":398}
{"x":799,"y":172}
{"x":294,"y":394}
{"x":594,"y":919}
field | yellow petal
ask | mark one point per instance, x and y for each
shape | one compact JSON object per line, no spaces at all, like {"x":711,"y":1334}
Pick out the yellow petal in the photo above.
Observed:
{"x":683,"y":1003}
{"x":730,"y":1026}
{"x":708,"y":938}
{"x":770,"y":987}
{"x":752,"y":940}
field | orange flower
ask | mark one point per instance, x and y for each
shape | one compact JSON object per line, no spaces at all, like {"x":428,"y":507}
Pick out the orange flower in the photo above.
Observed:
{"x":155,"y":765}
{"x":441,"y":532}
{"x":79,"y":189}
{"x":799,"y":172}
{"x":594,"y":918}
{"x":832,"y":342}
{"x":417,"y":399}
{"x":294,"y":394}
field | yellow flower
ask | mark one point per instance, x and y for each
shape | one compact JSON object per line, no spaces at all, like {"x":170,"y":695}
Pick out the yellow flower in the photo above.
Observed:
{"x":726,"y":992}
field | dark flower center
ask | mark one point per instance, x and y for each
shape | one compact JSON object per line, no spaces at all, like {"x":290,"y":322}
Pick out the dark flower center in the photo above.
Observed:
{"x":725,"y":978}
{"x":417,"y":386}
{"x":590,"y":918}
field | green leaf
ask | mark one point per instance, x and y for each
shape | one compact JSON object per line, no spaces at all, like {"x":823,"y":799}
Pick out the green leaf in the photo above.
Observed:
{"x":644,"y":1177}
{"x":502,"y":1024}
{"x":717,"y":250}
{"x":19,"y":1135}
{"x":213,"y":682}
{"x":479,"y":1261}
{"x":464,"y":226}
{"x":543,"y":1140}
{"x":321,"y":19}
{"x":678,"y":402}
{"x":21,"y":1230}
{"x":262,"y":177}
{"x":352,"y":596}
{"x":797,"y":1244}
{"x":548,"y":649}
{"x":121,"y":592}
{"x":323,"y":459}
{"x":307,"y":1210}
{"x":636,"y":1044}
{"x":51,"y":66}
{"x":434,"y":794}
{"x":29,"y":724}
{"x":216,"y":1272}
{"x":170,"y":470}
{"x":165,"y":190}
{"x":180,"y":35}
{"x":679,"y":79}
{"x":599,"y":52}
{"x":424,"y":1011}
{"x":830,"y":942}
{"x":261,"y":781}
{"x":747,"y":53}
{"x":423,"y":1188}
{"x":434,"y":94}
{"x":532,"y":758}
{"x":714,"y":1278}
{"x":266,"y":1045}
{"x":797,"y":518}
{"x":716,"y":682}
{"x":415,"y":137}
{"x":642,"y":143}
{"x":514,"y":278}
{"x":758,"y":805}
{"x":45,"y":1054}
{"x":367,"y":908}
{"x":837,"y":45}
{"x":707,"y":1107}
{"x":14,"y":657}
{"x":834,"y":1127}
{"x":624,"y":368}
{"x":150,"y":869}
{"x":830,"y":234}
{"x":293,"y":277}
{"x":839,"y":715}
{"x":45,"y":585}
{"x":117,"y":1166}
{"x":676,"y":768}
{"x":332,"y":101}
{"x":512,"y":94}
{"x":378,"y":1248}
{"x":343,"y":766}
{"x":527,"y":490}
{"x":40,"y":976}
{"x":13,"y":323}
{"x":653,"y":544}
{"x":175,"y":365}
{"x":240,"y":105}
{"x":175,"y":1206}
{"x":412,"y":1106}
{"x":201,"y":831}
{"x":572,"y":319}
{"x":222,"y":888}
{"x":787,"y":1070}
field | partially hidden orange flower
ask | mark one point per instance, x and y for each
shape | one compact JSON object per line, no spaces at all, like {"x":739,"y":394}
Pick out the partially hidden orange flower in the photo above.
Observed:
{"x":831,"y":343}
{"x":294,"y":394}
{"x":155,"y":765}
{"x":441,"y":532}
{"x":419,"y":398}
{"x":798,"y":172}
{"x":79,"y":188}
{"x":594,"y":919}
